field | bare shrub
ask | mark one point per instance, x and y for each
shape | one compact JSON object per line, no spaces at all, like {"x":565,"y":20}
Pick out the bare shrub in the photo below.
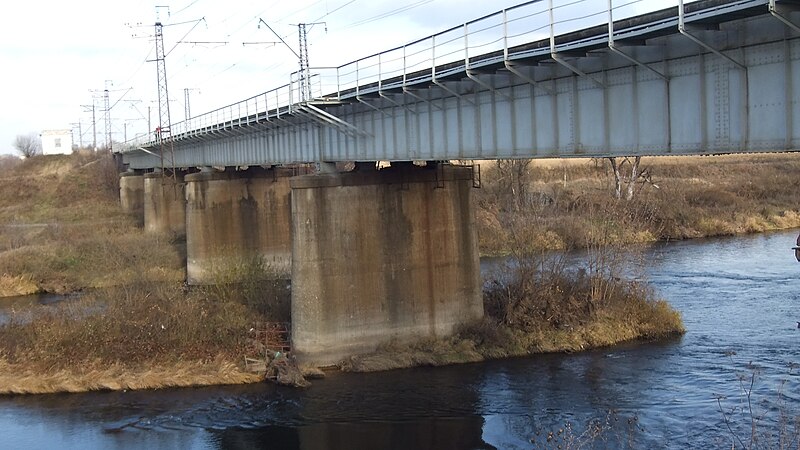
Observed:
{"x":754,"y":421}
{"x":28,"y":145}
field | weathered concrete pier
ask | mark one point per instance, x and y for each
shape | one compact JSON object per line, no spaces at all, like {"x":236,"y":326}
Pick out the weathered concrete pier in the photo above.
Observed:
{"x":374,"y":255}
{"x":131,"y":194}
{"x":164,"y":203}
{"x":381,"y":256}
{"x":233,"y":216}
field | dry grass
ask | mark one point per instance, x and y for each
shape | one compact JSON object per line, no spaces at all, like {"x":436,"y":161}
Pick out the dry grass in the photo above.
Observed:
{"x":11,"y":286}
{"x":130,"y":325}
{"x":140,"y":336}
{"x":533,"y":324}
{"x":697,"y":196}
{"x":62,"y":230}
{"x":93,"y":376}
{"x":542,"y":306}
{"x":136,"y":326}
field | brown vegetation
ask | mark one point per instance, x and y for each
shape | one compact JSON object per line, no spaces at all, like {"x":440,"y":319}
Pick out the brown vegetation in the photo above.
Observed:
{"x":135,"y":326}
{"x":134,"y":336}
{"x":684,"y":197}
{"x":61,"y":230}
{"x":541,"y":305}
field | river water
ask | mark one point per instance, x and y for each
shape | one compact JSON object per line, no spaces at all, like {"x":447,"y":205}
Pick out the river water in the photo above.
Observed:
{"x":740,"y":305}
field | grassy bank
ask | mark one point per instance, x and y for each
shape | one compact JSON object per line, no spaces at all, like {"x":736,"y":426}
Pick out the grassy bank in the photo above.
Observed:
{"x":541,"y":306}
{"x":136,"y":336}
{"x":62,"y":230}
{"x":559,"y":204}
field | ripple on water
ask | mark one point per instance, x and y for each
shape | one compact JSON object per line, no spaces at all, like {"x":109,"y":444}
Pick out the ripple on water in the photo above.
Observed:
{"x":739,"y":303}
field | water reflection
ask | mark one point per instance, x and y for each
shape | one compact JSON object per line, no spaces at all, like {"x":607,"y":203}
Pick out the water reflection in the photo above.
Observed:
{"x":10,"y":305}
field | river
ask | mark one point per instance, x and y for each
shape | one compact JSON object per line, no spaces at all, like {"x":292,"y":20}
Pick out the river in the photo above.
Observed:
{"x":740,"y":305}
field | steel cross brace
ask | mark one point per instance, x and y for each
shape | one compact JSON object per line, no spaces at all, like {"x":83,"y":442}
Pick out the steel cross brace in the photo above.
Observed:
{"x":777,"y":12}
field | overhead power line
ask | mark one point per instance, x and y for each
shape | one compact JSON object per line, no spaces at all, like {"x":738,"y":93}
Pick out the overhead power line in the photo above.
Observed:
{"x":387,"y":14}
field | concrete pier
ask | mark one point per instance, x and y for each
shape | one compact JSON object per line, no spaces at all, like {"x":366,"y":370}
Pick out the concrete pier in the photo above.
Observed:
{"x":164,"y":203}
{"x":234,"y":215}
{"x":131,"y":195}
{"x":381,"y":256}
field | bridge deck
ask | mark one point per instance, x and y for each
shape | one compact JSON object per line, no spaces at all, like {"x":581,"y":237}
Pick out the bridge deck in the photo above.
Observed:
{"x":364,"y":113}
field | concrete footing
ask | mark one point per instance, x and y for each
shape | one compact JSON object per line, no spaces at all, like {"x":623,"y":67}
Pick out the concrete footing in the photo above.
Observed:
{"x":131,"y":195}
{"x":380,"y":256}
{"x":232,"y":216}
{"x":164,"y":203}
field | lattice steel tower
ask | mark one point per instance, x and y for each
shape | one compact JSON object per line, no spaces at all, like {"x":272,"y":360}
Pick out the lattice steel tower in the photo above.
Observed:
{"x":107,"y":119}
{"x":163,"y":129}
{"x":305,"y":82}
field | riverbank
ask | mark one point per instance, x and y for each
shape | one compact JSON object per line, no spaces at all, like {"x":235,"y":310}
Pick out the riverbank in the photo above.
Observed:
{"x":141,"y":336}
{"x":145,"y":337}
{"x":21,"y":378}
{"x":61,"y":230}
{"x":541,"y":308}
{"x":560,"y":204}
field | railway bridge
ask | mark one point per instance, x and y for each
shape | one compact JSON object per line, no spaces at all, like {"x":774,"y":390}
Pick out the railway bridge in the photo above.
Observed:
{"x":290,"y":175}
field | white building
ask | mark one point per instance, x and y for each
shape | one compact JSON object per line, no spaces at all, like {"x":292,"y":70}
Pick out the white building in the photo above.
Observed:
{"x":56,"y":142}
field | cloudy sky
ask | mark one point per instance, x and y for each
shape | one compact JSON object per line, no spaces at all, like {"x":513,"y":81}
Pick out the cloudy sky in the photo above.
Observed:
{"x":57,"y":57}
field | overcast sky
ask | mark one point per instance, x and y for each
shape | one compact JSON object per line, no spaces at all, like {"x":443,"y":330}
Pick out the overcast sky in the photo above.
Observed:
{"x":57,"y":57}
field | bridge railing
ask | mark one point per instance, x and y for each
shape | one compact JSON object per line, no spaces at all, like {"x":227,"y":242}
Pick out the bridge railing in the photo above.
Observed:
{"x":245,"y":112}
{"x":487,"y":40}
{"x":451,"y":50}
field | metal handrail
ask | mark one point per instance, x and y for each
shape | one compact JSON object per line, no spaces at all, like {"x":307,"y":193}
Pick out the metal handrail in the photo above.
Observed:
{"x":491,"y":33}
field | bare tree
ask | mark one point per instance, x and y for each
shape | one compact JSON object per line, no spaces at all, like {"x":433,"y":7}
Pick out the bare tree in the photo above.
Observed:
{"x":514,"y":179}
{"x":28,"y":144}
{"x":636,"y":175}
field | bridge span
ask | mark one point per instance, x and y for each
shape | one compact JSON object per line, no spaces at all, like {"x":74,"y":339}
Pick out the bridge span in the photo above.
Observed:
{"x":715,"y":76}
{"x":378,"y":255}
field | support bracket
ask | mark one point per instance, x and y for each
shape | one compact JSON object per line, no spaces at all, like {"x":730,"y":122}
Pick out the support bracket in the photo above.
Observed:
{"x":557,"y":58}
{"x":474,"y":77}
{"x":698,"y":41}
{"x":420,"y":98}
{"x":391,"y":100}
{"x":613,"y":47}
{"x":374,"y":108}
{"x":450,"y":91}
{"x":515,"y":70}
{"x":329,"y":119}
{"x":779,"y":12}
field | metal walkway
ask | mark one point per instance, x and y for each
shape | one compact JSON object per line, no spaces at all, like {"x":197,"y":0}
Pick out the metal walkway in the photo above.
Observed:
{"x":711,"y":76}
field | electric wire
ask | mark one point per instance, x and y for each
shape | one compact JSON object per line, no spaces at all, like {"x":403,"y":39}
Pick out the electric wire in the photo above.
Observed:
{"x":386,"y":14}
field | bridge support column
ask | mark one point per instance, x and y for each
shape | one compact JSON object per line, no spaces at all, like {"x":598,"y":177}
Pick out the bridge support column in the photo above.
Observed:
{"x":231,"y":216}
{"x":131,"y":195}
{"x":164,"y":203}
{"x":380,"y":256}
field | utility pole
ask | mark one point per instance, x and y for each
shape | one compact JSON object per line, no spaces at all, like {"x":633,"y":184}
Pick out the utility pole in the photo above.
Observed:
{"x":80,"y":134}
{"x":302,"y":32}
{"x":187,"y":109}
{"x":163,"y":130}
{"x":125,"y":126}
{"x":94,"y":124}
{"x":108,"y":117}
{"x":305,"y":84}
{"x":188,"y":113}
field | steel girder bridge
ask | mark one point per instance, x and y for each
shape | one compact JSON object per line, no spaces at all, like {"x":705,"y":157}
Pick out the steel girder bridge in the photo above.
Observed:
{"x":533,"y":81}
